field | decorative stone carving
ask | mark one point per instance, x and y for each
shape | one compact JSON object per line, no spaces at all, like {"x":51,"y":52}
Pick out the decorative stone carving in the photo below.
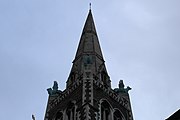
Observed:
{"x":121,"y":88}
{"x":54,"y":90}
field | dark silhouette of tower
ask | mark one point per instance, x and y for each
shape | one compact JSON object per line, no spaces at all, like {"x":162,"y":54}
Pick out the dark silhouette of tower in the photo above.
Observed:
{"x":88,"y":94}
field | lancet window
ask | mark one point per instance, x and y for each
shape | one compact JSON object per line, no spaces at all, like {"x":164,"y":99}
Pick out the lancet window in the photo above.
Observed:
{"x":117,"y":115}
{"x":105,"y":111}
{"x":70,"y":112}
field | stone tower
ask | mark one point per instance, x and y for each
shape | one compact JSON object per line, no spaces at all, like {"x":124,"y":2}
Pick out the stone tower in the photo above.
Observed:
{"x":88,"y":94}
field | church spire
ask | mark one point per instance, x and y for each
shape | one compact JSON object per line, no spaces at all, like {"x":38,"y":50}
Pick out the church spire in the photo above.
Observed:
{"x":88,"y":94}
{"x":89,"y":43}
{"x":89,"y":54}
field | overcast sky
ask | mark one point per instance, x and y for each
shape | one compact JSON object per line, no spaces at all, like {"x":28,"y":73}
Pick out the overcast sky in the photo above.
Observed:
{"x":140,"y":40}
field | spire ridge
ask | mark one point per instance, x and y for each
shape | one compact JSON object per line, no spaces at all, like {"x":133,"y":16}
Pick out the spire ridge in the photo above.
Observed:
{"x":89,"y":43}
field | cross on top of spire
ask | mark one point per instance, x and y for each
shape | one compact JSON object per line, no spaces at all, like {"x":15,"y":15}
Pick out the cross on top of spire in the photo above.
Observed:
{"x":89,"y":6}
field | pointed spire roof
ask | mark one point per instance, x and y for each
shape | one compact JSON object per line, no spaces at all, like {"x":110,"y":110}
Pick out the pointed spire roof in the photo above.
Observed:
{"x":89,"y":43}
{"x":89,"y":55}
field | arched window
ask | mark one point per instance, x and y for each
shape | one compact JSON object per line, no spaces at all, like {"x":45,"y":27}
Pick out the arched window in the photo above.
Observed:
{"x":118,"y":115}
{"x":70,"y":111}
{"x":105,"y":111}
{"x":59,"y":116}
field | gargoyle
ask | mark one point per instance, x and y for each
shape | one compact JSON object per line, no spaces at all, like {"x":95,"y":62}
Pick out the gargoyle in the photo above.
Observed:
{"x":54,"y":90}
{"x":121,"y":88}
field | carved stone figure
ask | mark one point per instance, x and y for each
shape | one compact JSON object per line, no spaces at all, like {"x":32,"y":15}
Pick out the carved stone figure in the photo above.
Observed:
{"x":54,"y":90}
{"x":121,"y":88}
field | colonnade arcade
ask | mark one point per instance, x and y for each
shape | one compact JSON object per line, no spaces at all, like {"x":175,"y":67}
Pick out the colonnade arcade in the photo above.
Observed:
{"x":68,"y":114}
{"x":106,"y":112}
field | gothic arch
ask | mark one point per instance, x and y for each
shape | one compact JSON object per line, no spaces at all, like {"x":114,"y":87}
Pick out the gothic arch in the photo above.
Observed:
{"x":118,"y":115}
{"x":70,"y":112}
{"x":105,"y":110}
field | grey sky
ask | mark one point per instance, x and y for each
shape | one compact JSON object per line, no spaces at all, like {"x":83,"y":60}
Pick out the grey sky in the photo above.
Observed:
{"x":140,"y":40}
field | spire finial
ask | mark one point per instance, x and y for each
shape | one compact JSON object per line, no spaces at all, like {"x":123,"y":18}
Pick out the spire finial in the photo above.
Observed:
{"x":89,"y":6}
